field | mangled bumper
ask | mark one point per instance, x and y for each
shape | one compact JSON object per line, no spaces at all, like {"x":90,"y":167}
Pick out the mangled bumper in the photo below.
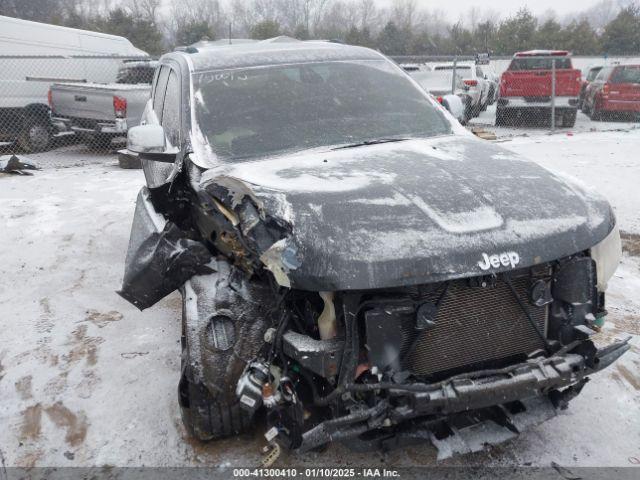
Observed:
{"x":556,"y":379}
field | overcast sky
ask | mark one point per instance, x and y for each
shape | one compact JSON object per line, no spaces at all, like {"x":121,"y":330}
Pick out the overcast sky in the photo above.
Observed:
{"x":455,"y":8}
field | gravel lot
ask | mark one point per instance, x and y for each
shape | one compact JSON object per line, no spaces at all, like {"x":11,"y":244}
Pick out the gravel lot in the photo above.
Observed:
{"x":88,"y":380}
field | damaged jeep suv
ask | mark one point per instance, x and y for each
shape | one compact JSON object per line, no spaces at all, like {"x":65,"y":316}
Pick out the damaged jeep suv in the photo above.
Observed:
{"x":353,"y":264}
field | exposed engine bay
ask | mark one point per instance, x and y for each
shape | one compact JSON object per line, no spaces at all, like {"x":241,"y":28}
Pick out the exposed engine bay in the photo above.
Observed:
{"x":379,"y":367}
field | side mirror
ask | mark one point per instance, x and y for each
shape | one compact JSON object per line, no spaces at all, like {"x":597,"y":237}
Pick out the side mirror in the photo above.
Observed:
{"x":146,"y":139}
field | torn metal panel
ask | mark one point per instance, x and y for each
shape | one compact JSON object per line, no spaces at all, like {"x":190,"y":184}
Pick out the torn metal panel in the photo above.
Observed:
{"x":234,"y":219}
{"x":16,"y":165}
{"x":160,"y":257}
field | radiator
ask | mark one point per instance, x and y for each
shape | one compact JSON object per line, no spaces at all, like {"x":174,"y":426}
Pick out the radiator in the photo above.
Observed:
{"x":475,"y":325}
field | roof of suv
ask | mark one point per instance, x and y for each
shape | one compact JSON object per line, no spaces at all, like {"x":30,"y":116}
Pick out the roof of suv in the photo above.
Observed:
{"x":275,"y":51}
{"x":543,"y":53}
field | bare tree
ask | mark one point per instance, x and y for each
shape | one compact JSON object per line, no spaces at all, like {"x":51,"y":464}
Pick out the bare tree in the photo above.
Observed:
{"x":143,"y":9}
{"x":196,"y":12}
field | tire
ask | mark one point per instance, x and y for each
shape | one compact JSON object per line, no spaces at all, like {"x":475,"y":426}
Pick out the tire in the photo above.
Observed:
{"x":501,"y":118}
{"x":204,"y":417}
{"x":595,"y":114}
{"x":475,"y":110}
{"x":485,"y":105}
{"x":99,"y":141}
{"x":569,"y":118}
{"x":492,"y":95}
{"x":36,"y":135}
{"x":468,"y":111}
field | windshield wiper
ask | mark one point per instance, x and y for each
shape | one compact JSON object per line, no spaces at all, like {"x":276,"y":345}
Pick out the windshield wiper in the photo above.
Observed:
{"x":371,"y":142}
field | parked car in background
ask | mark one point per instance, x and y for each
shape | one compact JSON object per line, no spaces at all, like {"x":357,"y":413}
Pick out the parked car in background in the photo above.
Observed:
{"x":489,"y":74}
{"x":475,"y":88}
{"x":589,"y":75}
{"x":61,"y":55}
{"x":440,"y":84}
{"x":526,"y":87}
{"x":486,"y":71}
{"x":100,"y":112}
{"x":410,"y":67}
{"x":616,"y":90}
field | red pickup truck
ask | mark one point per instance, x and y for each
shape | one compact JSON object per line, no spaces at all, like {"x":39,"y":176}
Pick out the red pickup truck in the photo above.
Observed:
{"x":526,"y":87}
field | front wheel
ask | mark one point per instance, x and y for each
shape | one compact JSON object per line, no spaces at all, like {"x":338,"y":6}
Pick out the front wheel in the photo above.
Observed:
{"x":35,"y":136}
{"x":204,"y":417}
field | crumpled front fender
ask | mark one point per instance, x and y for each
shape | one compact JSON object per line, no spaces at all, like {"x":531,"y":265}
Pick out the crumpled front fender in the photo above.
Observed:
{"x":160,"y":257}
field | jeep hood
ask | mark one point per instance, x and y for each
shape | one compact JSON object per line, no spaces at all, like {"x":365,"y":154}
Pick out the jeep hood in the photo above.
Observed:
{"x":413,"y":212}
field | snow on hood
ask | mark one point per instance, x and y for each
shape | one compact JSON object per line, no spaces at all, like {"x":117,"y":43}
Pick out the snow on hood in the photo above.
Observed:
{"x":419,"y":211}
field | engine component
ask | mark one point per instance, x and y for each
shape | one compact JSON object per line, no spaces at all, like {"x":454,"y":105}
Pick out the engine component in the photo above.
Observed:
{"x":250,"y":387}
{"x":384,"y":338}
{"x":322,"y":357}
{"x":426,"y":316}
{"x":575,"y":281}
{"x":270,"y":398}
{"x":540,"y":293}
{"x":327,"y":319}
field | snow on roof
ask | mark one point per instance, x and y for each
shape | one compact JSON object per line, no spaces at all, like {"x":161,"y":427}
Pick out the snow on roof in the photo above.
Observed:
{"x":221,"y":42}
{"x":276,"y":51}
{"x":535,"y":53}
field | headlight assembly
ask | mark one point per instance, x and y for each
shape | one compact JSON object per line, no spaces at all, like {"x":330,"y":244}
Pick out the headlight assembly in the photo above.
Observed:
{"x":607,"y":256}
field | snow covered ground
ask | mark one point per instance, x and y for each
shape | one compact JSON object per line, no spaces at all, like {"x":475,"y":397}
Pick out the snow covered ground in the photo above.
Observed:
{"x":583,"y":124}
{"x":86,"y":379}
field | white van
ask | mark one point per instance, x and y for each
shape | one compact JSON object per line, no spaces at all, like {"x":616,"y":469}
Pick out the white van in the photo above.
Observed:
{"x":35,"y":55}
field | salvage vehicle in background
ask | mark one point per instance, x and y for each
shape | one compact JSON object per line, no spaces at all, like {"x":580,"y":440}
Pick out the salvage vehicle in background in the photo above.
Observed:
{"x":101,"y":112}
{"x":526,"y":88}
{"x":486,"y":71}
{"x":589,"y":76}
{"x":441,"y":85}
{"x":351,"y":262}
{"x":615,"y":91}
{"x":475,"y":89}
{"x":52,"y":54}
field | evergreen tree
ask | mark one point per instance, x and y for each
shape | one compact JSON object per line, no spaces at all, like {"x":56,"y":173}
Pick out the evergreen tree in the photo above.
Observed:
{"x":516,"y":33}
{"x":358,"y":37}
{"x":622,"y":34}
{"x":265,"y":29}
{"x":581,"y":38}
{"x":144,"y":34}
{"x":392,"y":40}
{"x":194,"y":31}
{"x":301,"y":33}
{"x":550,"y":36}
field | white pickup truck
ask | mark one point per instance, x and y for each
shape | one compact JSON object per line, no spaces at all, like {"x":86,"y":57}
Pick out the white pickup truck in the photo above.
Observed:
{"x":100,"y":112}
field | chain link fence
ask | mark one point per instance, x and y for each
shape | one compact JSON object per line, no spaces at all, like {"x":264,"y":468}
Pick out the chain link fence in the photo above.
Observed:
{"x":88,"y":98}
{"x":530,"y":90}
{"x":95,"y":99}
